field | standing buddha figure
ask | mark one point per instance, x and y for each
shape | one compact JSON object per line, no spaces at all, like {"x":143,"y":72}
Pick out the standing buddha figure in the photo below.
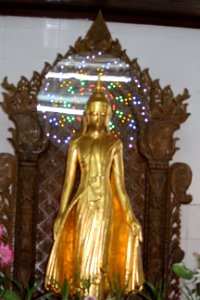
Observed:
{"x":96,"y":234}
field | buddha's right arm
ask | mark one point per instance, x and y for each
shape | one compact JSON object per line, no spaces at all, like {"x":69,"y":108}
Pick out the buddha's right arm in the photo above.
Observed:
{"x":119,"y":183}
{"x":68,"y":185}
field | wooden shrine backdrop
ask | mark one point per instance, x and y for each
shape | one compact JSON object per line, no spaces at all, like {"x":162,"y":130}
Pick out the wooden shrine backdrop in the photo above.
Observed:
{"x":31,"y":180}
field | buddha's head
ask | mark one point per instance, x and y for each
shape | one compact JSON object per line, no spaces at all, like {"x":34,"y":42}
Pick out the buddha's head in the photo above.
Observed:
{"x":98,"y":112}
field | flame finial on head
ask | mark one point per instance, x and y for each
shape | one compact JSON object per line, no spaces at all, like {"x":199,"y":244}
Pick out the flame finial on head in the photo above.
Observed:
{"x":98,"y":95}
{"x":98,"y":86}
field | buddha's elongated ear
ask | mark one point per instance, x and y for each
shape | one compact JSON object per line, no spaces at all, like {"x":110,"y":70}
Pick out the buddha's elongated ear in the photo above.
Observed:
{"x":108,"y":118}
{"x":85,"y":122}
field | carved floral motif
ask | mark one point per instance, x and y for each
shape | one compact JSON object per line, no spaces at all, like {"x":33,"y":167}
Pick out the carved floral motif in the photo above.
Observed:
{"x":180,"y":179}
{"x":166,"y":113}
{"x":98,"y":38}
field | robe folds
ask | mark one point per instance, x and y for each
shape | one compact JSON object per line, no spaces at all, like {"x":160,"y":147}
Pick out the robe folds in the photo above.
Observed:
{"x":97,"y":238}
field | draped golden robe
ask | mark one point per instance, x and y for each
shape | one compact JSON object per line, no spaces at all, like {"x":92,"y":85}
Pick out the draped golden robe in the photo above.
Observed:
{"x":97,"y":238}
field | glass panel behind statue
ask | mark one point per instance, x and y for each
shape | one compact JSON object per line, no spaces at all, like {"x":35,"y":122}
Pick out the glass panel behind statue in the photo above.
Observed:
{"x":96,"y":235}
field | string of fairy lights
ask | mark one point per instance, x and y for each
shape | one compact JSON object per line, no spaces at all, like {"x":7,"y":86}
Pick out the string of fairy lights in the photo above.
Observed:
{"x":67,"y":87}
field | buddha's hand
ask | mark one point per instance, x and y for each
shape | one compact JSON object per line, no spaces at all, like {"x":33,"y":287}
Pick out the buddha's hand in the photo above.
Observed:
{"x":57,"y":226}
{"x":137,"y":230}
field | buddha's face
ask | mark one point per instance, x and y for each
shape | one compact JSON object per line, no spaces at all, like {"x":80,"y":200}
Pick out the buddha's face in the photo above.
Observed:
{"x":97,"y":114}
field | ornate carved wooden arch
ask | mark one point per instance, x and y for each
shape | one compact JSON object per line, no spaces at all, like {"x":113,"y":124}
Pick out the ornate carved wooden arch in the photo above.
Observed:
{"x":159,"y":188}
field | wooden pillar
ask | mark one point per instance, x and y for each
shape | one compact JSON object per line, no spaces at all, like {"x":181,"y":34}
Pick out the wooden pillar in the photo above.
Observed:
{"x":29,"y":142}
{"x":26,"y":216}
{"x":156,"y":220}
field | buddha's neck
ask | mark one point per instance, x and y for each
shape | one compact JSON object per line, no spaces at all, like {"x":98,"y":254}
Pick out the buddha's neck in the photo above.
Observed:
{"x":94,"y":133}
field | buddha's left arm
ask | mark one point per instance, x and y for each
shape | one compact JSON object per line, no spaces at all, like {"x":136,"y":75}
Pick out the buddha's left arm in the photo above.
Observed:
{"x":67,"y":186}
{"x":119,"y":183}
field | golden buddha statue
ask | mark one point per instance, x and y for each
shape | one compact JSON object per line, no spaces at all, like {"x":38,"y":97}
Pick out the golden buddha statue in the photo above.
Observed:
{"x":96,"y":233}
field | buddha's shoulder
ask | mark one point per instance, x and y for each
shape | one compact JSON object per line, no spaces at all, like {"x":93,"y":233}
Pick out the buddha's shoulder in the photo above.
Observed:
{"x":112,"y":137}
{"x":109,"y":139}
{"x":113,"y":140}
{"x":75,"y":139}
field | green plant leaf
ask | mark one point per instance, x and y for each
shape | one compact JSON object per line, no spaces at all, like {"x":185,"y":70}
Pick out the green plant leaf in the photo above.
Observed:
{"x":10,"y":295}
{"x":161,"y":290}
{"x":45,"y":296}
{"x":65,"y":290}
{"x":30,"y":291}
{"x":16,"y":284}
{"x":182,"y":271}
{"x":144,"y":295}
{"x":151,"y":287}
{"x":75,"y":279}
{"x":86,"y":284}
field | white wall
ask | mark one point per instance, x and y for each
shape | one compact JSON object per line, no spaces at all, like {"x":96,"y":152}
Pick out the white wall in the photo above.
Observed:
{"x":171,"y":54}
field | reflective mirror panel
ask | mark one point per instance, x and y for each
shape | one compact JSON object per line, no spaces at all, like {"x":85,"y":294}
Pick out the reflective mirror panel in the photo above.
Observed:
{"x":68,"y":86}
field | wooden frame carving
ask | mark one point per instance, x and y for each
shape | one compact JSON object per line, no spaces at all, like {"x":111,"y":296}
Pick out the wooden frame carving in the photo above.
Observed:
{"x":159,"y":12}
{"x":165,"y":184}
